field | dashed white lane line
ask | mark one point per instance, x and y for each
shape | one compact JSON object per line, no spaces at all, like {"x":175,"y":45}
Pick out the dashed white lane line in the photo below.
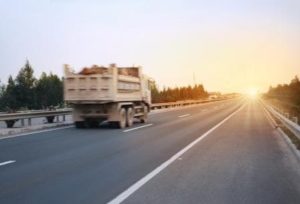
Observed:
{"x":7,"y":162}
{"x":124,"y":195}
{"x":185,"y":115}
{"x":136,"y":128}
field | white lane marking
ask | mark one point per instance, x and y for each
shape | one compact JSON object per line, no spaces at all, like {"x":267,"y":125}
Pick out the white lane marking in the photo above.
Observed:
{"x":36,"y":132}
{"x":185,"y":115}
{"x":136,"y":128}
{"x":7,"y":162}
{"x":121,"y":197}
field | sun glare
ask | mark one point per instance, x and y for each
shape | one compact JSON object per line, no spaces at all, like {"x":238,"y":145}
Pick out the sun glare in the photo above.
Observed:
{"x":252,"y":93}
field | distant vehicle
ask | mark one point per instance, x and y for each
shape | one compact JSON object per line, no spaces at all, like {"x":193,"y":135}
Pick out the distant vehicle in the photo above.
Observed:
{"x":115,"y":94}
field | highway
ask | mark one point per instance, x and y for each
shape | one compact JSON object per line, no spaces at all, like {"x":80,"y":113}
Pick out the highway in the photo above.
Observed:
{"x":221,"y":152}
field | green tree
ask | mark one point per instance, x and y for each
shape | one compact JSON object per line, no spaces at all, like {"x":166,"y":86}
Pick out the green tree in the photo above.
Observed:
{"x":8,"y":99}
{"x":289,"y":93}
{"x":26,"y":92}
{"x":49,"y":91}
{"x":178,"y":93}
{"x":2,"y":91}
{"x":25,"y":82}
{"x":155,"y":96}
{"x":294,"y":90}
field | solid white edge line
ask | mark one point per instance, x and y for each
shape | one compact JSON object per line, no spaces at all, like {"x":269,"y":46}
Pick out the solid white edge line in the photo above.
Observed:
{"x":125,"y":194}
{"x":35,"y":132}
{"x":7,"y":162}
{"x":185,"y":115}
{"x":136,"y":128}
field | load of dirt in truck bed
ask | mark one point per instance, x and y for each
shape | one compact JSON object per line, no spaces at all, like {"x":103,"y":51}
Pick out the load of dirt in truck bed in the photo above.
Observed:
{"x":129,"y":71}
{"x":95,"y":69}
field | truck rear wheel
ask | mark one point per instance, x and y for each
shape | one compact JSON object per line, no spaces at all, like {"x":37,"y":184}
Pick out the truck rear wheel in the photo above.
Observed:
{"x":122,"y":122}
{"x":93,"y":124}
{"x":79,"y":124}
{"x":129,"y":117}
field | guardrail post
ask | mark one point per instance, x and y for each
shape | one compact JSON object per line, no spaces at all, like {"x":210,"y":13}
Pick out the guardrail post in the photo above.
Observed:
{"x":22,"y":122}
{"x":57,"y":118}
{"x":29,"y":121}
{"x":287,"y":115}
{"x":64,"y":118}
{"x":295,"y":119}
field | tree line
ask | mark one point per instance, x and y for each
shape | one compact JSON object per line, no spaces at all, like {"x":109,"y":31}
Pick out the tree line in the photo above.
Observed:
{"x":289,"y":93}
{"x":177,"y":94}
{"x":26,"y":92}
{"x":286,"y":97}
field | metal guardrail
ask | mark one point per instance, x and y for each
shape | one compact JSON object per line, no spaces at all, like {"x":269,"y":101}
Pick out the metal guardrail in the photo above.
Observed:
{"x":183,"y":103}
{"x":33,"y":114}
{"x":292,"y":126}
{"x":12,"y":117}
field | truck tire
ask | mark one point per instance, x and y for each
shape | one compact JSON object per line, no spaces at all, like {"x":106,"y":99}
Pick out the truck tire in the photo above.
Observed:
{"x":93,"y":124}
{"x":50,"y":119}
{"x":122,"y":122}
{"x":80,"y":124}
{"x":129,"y":117}
{"x":144,"y":118}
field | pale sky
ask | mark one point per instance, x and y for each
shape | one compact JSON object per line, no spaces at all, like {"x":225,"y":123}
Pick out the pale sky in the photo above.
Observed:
{"x":230,"y":45}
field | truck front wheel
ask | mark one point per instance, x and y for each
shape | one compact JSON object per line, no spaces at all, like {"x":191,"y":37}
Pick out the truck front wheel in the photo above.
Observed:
{"x":144,"y":118}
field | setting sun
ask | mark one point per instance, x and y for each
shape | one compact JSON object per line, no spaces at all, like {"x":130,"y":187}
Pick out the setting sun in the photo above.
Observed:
{"x":252,"y":92}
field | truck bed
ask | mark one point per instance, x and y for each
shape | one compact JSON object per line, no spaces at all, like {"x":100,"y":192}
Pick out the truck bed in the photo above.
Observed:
{"x":112,"y":84}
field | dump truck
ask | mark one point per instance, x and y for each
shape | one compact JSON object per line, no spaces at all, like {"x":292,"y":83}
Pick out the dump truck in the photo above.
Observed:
{"x":114,"y":94}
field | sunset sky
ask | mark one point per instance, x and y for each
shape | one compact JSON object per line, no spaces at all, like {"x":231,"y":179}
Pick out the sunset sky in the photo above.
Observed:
{"x":230,"y":45}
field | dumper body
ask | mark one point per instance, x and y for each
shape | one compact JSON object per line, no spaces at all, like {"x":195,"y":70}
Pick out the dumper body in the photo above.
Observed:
{"x":118,"y":95}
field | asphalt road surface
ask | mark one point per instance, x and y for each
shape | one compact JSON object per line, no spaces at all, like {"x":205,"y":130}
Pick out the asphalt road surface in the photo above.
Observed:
{"x":221,"y":152}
